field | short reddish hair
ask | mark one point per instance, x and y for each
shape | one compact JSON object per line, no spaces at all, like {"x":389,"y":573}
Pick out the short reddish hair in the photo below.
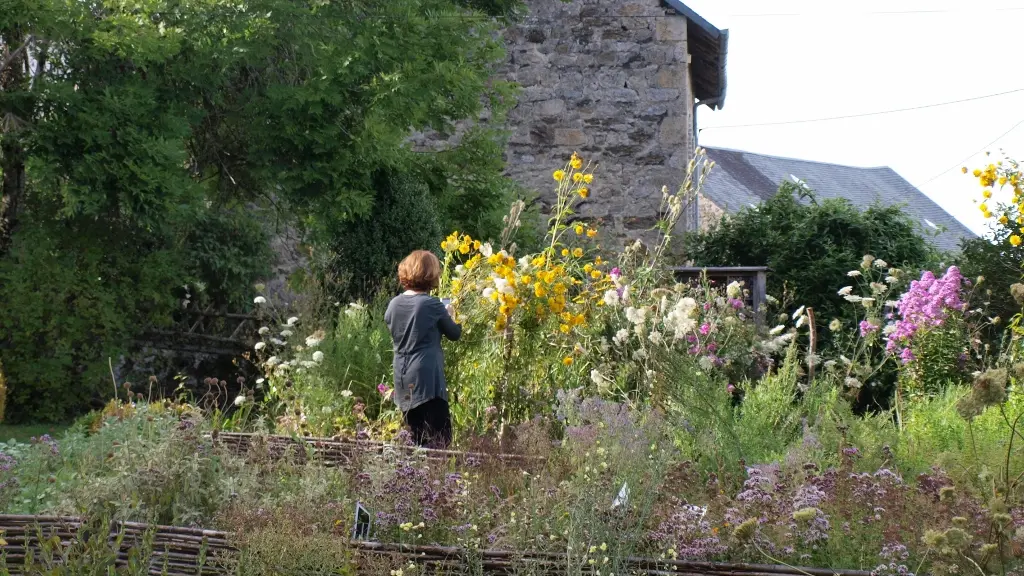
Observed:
{"x":420,"y":271}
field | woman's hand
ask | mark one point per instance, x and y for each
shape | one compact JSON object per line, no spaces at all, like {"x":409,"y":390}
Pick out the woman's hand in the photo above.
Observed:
{"x":449,"y":310}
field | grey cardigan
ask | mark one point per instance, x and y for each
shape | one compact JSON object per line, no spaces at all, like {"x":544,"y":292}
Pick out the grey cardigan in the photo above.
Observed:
{"x":416,"y":323}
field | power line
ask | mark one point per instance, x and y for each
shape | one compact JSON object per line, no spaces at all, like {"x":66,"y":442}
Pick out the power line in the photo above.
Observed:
{"x":871,"y":13}
{"x":971,"y":155}
{"x":878,"y":113}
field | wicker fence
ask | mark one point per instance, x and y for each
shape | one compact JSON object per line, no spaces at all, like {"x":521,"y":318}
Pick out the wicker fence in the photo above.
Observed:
{"x":340,"y":452}
{"x":178,"y":551}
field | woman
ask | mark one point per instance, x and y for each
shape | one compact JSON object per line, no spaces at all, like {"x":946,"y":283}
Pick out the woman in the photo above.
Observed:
{"x":416,"y":322}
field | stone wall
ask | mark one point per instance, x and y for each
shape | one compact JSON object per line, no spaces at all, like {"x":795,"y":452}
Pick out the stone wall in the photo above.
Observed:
{"x":610,"y":80}
{"x":710,"y":214}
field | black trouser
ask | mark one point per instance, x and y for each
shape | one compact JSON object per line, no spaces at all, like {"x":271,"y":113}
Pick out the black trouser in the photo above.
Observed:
{"x":430,"y":424}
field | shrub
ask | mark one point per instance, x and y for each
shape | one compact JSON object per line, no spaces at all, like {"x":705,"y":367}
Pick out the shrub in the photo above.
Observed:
{"x":403,"y":218}
{"x":811,"y":246}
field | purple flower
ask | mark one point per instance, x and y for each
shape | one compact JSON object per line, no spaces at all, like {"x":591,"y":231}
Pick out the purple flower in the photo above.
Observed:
{"x":867,"y":328}
{"x":382,"y":388}
{"x":926,"y":304}
{"x":705,"y":329}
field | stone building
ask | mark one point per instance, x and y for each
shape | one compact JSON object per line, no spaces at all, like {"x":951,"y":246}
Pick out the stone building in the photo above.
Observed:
{"x":619,"y":82}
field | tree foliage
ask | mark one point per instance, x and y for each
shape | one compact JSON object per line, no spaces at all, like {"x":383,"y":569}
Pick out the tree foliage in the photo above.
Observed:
{"x":809,"y":247}
{"x":138,"y":137}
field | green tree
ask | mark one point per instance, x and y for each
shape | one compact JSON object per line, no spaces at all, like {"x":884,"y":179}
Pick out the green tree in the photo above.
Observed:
{"x":138,"y":137}
{"x":810,"y":247}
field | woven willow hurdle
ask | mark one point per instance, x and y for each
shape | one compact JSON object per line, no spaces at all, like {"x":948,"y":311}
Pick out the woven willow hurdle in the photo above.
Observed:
{"x":339,"y":452}
{"x":176,"y":551}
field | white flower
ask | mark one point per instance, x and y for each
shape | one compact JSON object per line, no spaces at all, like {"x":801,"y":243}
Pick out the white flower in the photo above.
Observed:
{"x":273,"y":361}
{"x":800,"y":321}
{"x":598,"y":379}
{"x":260,"y":346}
{"x":312,"y":342}
{"x":488,"y":292}
{"x":853,"y":273}
{"x":889,"y":329}
{"x":799,"y":312}
{"x":867,"y":302}
{"x":835,"y":325}
{"x":706,"y":364}
{"x":656,"y":337}
{"x":286,"y":333}
{"x":239,"y":400}
{"x":891,"y":279}
{"x":460,"y":269}
{"x":636,"y":316}
{"x":639,"y":354}
{"x":777,"y":330}
{"x":277,"y":342}
{"x":891,"y":303}
{"x":307,"y":364}
{"x":771,"y":299}
{"x":318,"y":356}
{"x":292,"y":321}
{"x":264,"y":331}
{"x":845,"y":290}
{"x":502,"y":286}
{"x":346,"y":393}
{"x":853,"y":299}
{"x":734,"y":290}
{"x":259,"y":300}
{"x":625,"y":294}
{"x":611,"y":297}
{"x":881,"y":264}
{"x":621,"y":337}
{"x":486,"y":250}
{"x":524,"y":262}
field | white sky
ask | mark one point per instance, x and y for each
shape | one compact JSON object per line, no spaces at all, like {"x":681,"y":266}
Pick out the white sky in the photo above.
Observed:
{"x":799,"y":59}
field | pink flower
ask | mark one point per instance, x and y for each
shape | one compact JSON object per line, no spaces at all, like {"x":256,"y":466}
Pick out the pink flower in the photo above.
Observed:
{"x":926,"y":304}
{"x":383,"y":389}
{"x":705,"y":329}
{"x":867,"y":328}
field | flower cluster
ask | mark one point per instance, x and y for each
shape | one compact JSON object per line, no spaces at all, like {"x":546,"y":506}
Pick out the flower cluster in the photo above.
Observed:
{"x":926,"y":304}
{"x":998,"y":176}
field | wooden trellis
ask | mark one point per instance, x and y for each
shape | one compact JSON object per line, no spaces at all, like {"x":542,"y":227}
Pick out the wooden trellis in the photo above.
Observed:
{"x":203,"y":331}
{"x":179,"y":551}
{"x":753,"y":278}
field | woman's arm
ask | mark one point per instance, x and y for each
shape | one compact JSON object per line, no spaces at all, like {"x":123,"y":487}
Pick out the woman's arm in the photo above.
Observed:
{"x":448,"y":326}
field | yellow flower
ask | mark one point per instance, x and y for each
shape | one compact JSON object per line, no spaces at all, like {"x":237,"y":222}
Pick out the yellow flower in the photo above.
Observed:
{"x":463,"y":248}
{"x":1004,"y":220}
{"x":578,"y":229}
{"x":591,"y":233}
{"x":567,"y":361}
{"x":1002,"y":180}
{"x":565,"y":252}
{"x":576,"y":162}
{"x":476,"y":244}
{"x":588,"y":268}
{"x":983,"y":207}
{"x":588,"y":178}
{"x":1015,"y":240}
{"x":596,"y":274}
{"x":577,"y":177}
{"x":964,"y":169}
{"x":577,"y":252}
{"x":987,"y":194}
{"x":539,"y":290}
{"x":559,"y":175}
{"x":583,"y":192}
{"x":597,"y":261}
{"x":564,"y":328}
{"x":1020,"y":219}
{"x":525,"y":279}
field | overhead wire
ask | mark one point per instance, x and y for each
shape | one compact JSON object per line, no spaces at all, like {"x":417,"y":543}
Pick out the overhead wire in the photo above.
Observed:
{"x":862,"y":115}
{"x":972,"y":154}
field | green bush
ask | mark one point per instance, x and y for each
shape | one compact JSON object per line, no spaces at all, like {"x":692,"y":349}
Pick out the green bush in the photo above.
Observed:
{"x":368,"y":249}
{"x":810,"y":247}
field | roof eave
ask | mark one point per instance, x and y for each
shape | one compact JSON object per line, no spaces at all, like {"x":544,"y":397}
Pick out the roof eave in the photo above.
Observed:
{"x":716,"y":99}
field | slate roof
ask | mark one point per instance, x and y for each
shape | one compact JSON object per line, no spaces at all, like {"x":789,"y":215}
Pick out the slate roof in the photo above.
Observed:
{"x":708,"y":47}
{"x":742,"y":179}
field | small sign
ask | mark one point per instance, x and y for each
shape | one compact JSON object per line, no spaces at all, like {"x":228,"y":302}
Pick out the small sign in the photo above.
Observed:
{"x":623,"y":498}
{"x":361,"y":527}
